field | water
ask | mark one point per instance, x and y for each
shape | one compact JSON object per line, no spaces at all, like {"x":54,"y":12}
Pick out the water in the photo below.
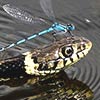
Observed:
{"x":83,"y":14}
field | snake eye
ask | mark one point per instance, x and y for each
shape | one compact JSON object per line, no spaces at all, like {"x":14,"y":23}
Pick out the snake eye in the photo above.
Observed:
{"x":67,"y":51}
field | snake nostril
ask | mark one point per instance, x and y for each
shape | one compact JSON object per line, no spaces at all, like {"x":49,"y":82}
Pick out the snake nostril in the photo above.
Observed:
{"x":84,"y":46}
{"x":79,"y":48}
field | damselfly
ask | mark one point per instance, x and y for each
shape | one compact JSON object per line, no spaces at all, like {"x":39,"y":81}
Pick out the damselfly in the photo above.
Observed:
{"x":26,"y":17}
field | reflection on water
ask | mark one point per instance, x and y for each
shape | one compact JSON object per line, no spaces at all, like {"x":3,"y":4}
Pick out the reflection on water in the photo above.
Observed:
{"x":54,"y":87}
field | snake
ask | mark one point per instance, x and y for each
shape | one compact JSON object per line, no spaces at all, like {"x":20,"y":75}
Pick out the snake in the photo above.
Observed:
{"x":46,"y":60}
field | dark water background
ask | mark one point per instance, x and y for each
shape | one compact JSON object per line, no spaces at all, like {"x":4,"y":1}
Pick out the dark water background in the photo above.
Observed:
{"x":84,"y":14}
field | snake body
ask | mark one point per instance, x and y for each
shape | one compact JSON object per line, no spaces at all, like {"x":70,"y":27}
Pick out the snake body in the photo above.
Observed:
{"x":47,"y":60}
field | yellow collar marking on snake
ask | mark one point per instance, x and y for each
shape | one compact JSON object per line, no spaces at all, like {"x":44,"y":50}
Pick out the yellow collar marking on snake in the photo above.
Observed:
{"x":56,"y":56}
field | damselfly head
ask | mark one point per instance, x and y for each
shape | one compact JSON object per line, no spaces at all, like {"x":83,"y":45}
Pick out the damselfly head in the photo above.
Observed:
{"x":70,"y":27}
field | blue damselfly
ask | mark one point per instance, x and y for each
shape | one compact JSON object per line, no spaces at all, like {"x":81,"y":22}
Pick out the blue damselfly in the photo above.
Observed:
{"x":26,"y":17}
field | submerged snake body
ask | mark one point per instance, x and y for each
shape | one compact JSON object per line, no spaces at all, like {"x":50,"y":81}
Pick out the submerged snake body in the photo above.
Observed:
{"x":46,"y":60}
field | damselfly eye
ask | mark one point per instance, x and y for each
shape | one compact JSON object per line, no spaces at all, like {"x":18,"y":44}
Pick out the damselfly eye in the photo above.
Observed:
{"x":67,"y":51}
{"x":71,"y":27}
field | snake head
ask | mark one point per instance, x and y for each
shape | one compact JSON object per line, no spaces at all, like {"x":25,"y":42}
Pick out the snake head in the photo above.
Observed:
{"x":73,"y":49}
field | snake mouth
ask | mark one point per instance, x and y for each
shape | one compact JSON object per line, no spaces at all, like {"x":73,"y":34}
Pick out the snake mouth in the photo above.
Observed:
{"x":86,"y":45}
{"x":81,"y":49}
